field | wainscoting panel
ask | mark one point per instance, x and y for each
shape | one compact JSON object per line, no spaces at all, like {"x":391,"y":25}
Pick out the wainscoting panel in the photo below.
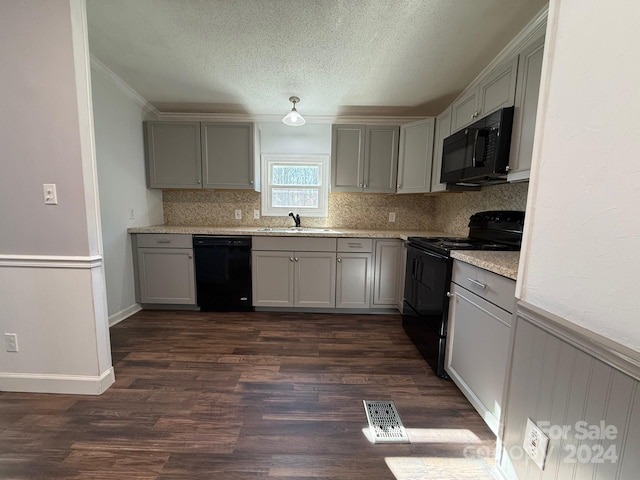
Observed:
{"x":582,"y":390}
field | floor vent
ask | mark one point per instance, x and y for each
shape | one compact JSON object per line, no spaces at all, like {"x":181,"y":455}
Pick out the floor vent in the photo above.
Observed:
{"x":384,"y":422}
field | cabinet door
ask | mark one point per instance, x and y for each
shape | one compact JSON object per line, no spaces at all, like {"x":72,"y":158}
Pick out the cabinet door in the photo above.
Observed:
{"x":227,"y":155}
{"x":166,"y":276}
{"x":381,"y":159}
{"x":443,"y":130}
{"x":386,"y":275}
{"x":347,"y":158}
{"x":315,"y":279}
{"x":353,"y":287}
{"x":173,"y":154}
{"x":464,"y":110}
{"x":498,"y":88}
{"x":526,"y":109}
{"x":272,"y":274}
{"x":415,"y":157}
{"x":476,"y":352}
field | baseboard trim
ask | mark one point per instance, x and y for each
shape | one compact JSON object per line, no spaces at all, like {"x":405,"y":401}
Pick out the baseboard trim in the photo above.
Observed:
{"x":604,"y":349}
{"x":124,"y":314}
{"x":51,"y":261}
{"x":51,"y":383}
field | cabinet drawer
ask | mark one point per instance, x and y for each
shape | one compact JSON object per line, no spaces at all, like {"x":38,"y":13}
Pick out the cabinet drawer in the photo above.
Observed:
{"x":160,"y":240}
{"x":364,"y":245}
{"x":296,"y":244}
{"x":495,"y":288}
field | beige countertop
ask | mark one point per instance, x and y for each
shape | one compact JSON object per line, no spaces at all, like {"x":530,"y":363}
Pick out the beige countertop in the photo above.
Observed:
{"x":285,"y":231}
{"x":502,"y":263}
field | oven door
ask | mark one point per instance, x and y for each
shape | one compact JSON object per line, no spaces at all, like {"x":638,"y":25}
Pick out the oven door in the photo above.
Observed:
{"x":425,"y":304}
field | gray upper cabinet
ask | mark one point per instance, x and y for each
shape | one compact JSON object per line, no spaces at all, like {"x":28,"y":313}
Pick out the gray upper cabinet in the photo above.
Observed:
{"x":364,"y":158}
{"x":173,"y":154}
{"x":415,"y":157}
{"x":495,"y":90}
{"x":465,"y":110}
{"x":347,"y":158}
{"x":498,"y":89}
{"x":443,"y":130}
{"x":526,"y":108}
{"x":381,"y":159}
{"x":227,"y":155}
{"x":182,"y":154}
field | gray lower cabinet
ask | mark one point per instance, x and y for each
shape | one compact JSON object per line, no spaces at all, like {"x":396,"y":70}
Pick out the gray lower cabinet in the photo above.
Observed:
{"x":364,"y":158}
{"x":526,"y":109}
{"x":415,"y":157}
{"x":354,"y":272}
{"x":199,"y":155}
{"x":164,"y":269}
{"x":478,"y":336}
{"x":302,"y":276}
{"x":387,"y":275}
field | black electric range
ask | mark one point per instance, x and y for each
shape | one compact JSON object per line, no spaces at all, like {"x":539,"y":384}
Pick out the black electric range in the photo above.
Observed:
{"x":428,"y":275}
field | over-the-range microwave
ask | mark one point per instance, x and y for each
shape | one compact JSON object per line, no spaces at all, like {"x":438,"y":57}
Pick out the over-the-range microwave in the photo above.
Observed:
{"x":479,"y":154}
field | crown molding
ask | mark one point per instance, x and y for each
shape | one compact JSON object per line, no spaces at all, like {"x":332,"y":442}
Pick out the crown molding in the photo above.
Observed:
{"x":265,"y":118}
{"x":123,"y":86}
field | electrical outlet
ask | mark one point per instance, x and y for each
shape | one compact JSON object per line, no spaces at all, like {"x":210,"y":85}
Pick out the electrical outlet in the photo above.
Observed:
{"x":392,"y":216}
{"x":11,"y":342}
{"x":535,"y":443}
{"x":256,"y":214}
{"x":238,"y":214}
{"x":50,"y":194}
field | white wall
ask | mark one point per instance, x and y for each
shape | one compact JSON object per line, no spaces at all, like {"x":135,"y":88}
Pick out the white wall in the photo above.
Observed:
{"x":118,"y":117}
{"x":581,"y":256}
{"x":52,"y":292}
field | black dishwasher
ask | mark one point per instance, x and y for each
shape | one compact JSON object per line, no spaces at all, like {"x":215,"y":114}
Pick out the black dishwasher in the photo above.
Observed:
{"x":223,"y":273}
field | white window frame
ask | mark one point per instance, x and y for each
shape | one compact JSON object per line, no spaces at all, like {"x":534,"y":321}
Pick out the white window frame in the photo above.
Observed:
{"x":323,"y":189}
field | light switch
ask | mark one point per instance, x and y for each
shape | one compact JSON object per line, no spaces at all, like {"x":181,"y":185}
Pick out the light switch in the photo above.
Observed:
{"x":50,"y":194}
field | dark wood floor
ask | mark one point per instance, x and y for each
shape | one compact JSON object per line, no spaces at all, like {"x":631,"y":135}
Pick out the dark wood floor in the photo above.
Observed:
{"x":248,"y":396}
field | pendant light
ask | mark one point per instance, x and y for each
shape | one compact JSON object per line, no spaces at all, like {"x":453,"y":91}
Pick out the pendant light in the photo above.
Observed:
{"x":293,"y":118}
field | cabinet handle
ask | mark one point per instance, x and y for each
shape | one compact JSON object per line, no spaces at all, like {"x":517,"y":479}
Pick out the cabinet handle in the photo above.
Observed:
{"x":296,"y":259}
{"x":398,"y":186}
{"x":475,"y":114}
{"x":190,"y":256}
{"x":365,"y":185}
{"x":449,"y":294}
{"x":199,"y":181}
{"x":477,"y":283}
{"x":163,"y":241}
{"x":339,"y":260}
{"x":291,"y":259}
{"x":360,"y":185}
{"x":250,"y":182}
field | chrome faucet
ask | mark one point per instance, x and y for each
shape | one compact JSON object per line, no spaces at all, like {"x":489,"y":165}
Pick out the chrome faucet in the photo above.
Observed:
{"x":296,"y":218}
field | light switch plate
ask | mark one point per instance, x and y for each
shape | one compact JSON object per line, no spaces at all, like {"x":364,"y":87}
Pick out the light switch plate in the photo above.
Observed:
{"x":50,"y":194}
{"x":535,"y":443}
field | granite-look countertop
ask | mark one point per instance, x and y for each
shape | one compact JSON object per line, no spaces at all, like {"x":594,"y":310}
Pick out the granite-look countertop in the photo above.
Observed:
{"x":502,"y":263}
{"x":275,"y":231}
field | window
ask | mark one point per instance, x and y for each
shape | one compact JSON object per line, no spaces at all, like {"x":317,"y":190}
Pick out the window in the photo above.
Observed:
{"x":297,"y":183}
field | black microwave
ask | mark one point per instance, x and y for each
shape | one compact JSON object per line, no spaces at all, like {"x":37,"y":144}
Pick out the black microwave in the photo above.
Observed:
{"x":479,"y":154}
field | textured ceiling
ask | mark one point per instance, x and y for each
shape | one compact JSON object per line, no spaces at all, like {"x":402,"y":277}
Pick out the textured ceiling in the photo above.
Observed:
{"x":385,"y":57}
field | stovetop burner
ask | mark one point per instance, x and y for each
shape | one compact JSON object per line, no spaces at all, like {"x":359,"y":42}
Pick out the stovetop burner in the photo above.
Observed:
{"x":495,"y":230}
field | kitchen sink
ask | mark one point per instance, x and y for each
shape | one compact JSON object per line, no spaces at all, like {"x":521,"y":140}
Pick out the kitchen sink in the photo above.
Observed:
{"x":296,"y":229}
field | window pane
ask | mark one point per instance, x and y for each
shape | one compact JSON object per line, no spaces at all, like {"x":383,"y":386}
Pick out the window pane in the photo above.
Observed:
{"x":294,"y":197}
{"x":295,"y":175}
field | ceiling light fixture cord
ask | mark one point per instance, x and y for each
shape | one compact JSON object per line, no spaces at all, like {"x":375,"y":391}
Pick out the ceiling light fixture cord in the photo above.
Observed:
{"x":293,"y":118}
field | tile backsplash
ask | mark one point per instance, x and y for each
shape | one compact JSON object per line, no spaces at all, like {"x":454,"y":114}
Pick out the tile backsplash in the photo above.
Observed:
{"x":447,"y":212}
